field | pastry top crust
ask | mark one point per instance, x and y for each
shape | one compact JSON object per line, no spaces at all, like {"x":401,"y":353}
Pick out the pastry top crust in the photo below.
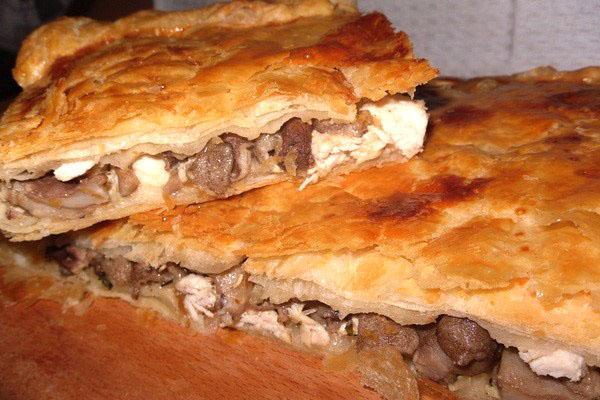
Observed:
{"x":501,"y":209}
{"x":171,"y":80}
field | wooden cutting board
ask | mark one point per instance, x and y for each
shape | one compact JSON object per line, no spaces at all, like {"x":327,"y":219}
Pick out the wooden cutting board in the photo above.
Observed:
{"x":114,"y":351}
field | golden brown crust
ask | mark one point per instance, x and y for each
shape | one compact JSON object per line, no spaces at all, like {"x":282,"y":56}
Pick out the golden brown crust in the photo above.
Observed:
{"x":499,"y":218}
{"x":66,"y":37}
{"x":170,"y":81}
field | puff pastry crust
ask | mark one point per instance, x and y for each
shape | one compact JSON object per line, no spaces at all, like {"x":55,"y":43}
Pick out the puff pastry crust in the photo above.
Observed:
{"x":155,"y":82}
{"x":498,"y":220}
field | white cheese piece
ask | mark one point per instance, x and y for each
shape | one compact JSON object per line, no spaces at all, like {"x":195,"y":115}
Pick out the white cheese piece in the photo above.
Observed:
{"x":200,"y":295}
{"x":151,"y":171}
{"x":311,"y":332}
{"x":265,"y":322}
{"x":558,"y":364}
{"x":401,"y":123}
{"x":68,"y":171}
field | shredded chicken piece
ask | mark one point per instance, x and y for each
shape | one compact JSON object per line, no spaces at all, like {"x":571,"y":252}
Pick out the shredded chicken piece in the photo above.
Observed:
{"x":311,"y":332}
{"x":200,"y":296}
{"x":265,"y":322}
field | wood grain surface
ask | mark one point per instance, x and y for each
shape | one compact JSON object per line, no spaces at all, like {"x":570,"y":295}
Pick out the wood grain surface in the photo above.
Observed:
{"x":114,"y":351}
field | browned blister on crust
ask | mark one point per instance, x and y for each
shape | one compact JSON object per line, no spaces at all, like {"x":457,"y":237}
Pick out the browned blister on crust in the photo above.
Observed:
{"x":497,"y":220}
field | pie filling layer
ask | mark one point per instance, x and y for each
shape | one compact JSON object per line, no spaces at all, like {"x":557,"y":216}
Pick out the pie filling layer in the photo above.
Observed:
{"x":308,"y":150}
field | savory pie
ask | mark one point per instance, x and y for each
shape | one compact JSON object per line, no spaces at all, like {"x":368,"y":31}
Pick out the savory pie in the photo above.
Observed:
{"x":475,"y":264}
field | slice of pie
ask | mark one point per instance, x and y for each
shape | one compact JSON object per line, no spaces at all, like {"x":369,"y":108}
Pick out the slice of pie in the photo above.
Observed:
{"x":159,"y":109}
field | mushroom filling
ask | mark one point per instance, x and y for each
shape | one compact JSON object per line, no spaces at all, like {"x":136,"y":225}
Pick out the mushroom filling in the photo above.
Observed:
{"x":308,"y":150}
{"x":451,"y":348}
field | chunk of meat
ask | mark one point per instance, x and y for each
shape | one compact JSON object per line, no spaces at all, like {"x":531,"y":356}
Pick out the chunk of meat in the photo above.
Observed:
{"x":144,"y":274}
{"x":233,"y":289}
{"x":311,"y":332}
{"x":477,"y":367}
{"x":296,"y":140}
{"x":385,"y":371}
{"x":200,"y":297}
{"x":45,"y":189}
{"x":90,"y":191}
{"x":588,"y":386}
{"x":264,"y":322}
{"x":267,"y":146}
{"x":327,"y":317}
{"x":128,"y":181}
{"x":355,"y":129}
{"x":243,"y":156}
{"x":132,"y":275}
{"x":173,"y":185}
{"x":212,"y":168}
{"x":464,"y":341}
{"x":378,"y":331}
{"x":113,"y":271}
{"x":48,"y":196}
{"x":117,"y":270}
{"x":431,"y":361}
{"x":516,"y":381}
{"x":24,"y":205}
{"x":71,"y":259}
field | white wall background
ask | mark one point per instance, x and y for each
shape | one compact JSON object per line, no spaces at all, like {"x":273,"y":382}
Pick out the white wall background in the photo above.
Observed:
{"x":483,"y":37}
